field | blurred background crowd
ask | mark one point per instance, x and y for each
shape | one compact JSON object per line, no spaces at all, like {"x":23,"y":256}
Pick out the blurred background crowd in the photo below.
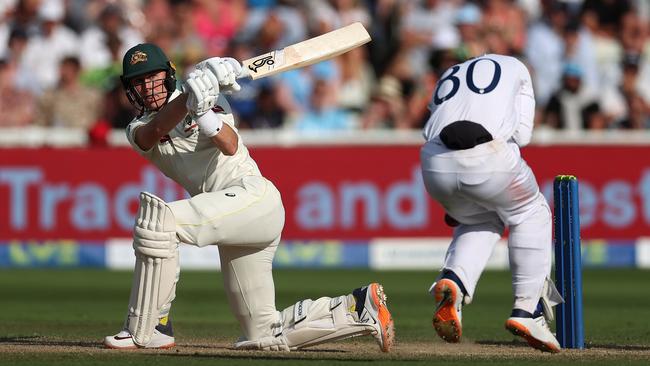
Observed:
{"x":60,"y":60}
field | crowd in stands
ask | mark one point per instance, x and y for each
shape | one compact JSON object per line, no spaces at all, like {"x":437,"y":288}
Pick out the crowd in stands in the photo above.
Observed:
{"x":60,"y":60}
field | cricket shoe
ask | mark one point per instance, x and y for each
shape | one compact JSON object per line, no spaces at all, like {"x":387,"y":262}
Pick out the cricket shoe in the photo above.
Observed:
{"x":535,"y":331}
{"x":447,"y":319}
{"x":163,"y":338}
{"x":371,"y":308}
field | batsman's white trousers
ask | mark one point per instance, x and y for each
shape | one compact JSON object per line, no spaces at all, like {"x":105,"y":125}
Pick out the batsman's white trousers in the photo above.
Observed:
{"x":245,"y":222}
{"x":486,"y":188}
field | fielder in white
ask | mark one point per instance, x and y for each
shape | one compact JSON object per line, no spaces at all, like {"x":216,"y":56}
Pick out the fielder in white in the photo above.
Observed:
{"x":481,"y":115}
{"x":191,"y":137}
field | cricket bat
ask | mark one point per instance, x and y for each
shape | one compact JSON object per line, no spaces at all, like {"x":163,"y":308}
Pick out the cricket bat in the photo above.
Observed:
{"x":305,"y":53}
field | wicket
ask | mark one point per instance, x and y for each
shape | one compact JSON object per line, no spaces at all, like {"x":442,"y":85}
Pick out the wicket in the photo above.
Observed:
{"x":568,"y":263}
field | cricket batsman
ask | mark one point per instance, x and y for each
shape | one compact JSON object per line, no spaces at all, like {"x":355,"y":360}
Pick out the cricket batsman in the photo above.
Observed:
{"x":191,"y":137}
{"x":481,"y":115}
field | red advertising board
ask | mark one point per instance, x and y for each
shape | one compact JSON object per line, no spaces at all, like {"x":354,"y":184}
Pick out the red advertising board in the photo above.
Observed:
{"x":333,"y":192}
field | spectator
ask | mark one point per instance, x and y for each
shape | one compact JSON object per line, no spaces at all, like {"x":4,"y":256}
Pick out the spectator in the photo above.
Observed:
{"x":246,"y":103}
{"x":187,"y":45}
{"x":70,"y":104}
{"x":217,"y":22}
{"x":117,"y":110}
{"x":5,"y":28}
{"x":506,"y":22}
{"x":17,"y":106}
{"x":385,"y":34}
{"x":44,"y":51}
{"x":25,"y":16}
{"x":579,"y":50}
{"x":350,"y":11}
{"x":468,"y":21}
{"x":607,"y":49}
{"x":545,"y":50}
{"x":422,"y":21}
{"x":624,"y":104}
{"x":267,"y":113}
{"x":573,"y":107}
{"x":637,"y":113}
{"x":102,"y":45}
{"x":23,"y":78}
{"x":386,"y":108}
{"x":356,"y":84}
{"x":322,"y":115}
{"x":272,"y":28}
{"x":594,"y":35}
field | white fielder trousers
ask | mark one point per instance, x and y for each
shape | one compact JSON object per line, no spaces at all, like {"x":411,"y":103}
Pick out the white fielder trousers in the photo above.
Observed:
{"x":246,"y":223}
{"x":487,"y":188}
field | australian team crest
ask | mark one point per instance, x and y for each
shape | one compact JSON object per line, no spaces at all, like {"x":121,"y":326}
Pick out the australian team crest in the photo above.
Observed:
{"x":137,"y":57}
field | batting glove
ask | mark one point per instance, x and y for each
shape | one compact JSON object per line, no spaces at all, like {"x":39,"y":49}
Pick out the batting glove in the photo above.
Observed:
{"x":203,"y":89}
{"x":226,"y":70}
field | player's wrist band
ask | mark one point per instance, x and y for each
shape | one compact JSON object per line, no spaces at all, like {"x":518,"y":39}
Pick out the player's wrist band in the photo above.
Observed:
{"x":210,"y":123}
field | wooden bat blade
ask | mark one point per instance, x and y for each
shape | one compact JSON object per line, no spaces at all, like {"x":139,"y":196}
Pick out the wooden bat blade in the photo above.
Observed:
{"x":307,"y":52}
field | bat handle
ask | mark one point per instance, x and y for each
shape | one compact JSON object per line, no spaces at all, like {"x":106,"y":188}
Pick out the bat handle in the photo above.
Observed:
{"x":245,"y":73}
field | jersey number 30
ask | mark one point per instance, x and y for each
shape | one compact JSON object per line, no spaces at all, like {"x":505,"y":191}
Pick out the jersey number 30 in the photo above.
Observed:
{"x":469,"y":80}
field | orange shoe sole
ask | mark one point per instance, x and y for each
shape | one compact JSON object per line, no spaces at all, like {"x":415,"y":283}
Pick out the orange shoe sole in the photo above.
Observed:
{"x":385,"y":319}
{"x":446,"y":320}
{"x":521,"y":331}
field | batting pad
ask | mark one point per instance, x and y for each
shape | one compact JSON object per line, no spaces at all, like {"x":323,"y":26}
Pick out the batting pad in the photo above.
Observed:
{"x":156,"y":267}
{"x":308,"y":323}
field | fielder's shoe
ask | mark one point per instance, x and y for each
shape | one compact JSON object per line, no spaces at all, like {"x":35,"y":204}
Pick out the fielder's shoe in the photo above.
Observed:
{"x":163,"y":337}
{"x":535,"y":331}
{"x":371,"y":308}
{"x":447,"y":319}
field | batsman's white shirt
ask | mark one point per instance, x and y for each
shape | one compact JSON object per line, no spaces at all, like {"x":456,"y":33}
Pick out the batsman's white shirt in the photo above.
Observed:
{"x":192,"y":159}
{"x":232,"y":206}
{"x":489,"y":186}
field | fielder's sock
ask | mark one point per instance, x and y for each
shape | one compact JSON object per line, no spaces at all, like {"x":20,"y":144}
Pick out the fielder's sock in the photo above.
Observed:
{"x":450,"y":275}
{"x":539,"y":310}
{"x":518,"y":313}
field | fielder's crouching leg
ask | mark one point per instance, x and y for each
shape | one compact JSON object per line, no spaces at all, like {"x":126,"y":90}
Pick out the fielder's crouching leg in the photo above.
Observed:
{"x":156,"y":267}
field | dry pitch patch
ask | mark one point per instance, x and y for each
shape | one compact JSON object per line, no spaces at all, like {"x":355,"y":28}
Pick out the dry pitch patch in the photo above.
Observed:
{"x":345,"y":350}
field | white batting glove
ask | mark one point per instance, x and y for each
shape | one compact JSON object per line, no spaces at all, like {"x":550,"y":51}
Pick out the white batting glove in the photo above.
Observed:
{"x":226,"y":70}
{"x":203,"y":89}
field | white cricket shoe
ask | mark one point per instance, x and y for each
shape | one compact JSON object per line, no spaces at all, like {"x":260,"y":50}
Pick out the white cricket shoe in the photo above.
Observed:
{"x":371,"y":308}
{"x":447,"y":319}
{"x":535,"y":331}
{"x":163,"y":338}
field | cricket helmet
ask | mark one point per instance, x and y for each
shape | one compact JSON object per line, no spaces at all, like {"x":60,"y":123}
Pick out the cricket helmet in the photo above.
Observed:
{"x":143,"y":59}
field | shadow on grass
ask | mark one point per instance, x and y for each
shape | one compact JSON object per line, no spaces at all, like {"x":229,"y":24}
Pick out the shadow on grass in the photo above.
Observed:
{"x":303,"y":355}
{"x":622,"y":347}
{"x":514,"y":343}
{"x":41,"y":341}
{"x":605,"y":346}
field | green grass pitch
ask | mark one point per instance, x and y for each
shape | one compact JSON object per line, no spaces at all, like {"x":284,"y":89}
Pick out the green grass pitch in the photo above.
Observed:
{"x":58,"y":317}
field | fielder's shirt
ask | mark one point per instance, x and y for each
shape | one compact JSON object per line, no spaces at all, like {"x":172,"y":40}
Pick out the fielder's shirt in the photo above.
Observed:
{"x":493,"y":90}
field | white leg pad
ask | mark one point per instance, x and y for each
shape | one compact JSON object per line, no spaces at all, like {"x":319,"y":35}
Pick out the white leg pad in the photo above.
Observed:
{"x":156,"y":267}
{"x":308,"y":323}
